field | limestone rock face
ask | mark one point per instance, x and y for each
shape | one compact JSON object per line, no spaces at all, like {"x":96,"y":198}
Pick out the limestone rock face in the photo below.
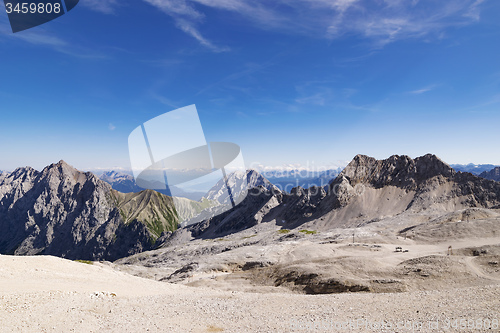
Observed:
{"x":401,"y":171}
{"x":64,"y":212}
{"x":430,"y":180}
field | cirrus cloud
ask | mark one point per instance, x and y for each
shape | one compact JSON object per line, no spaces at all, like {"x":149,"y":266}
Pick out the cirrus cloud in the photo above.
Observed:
{"x":381,"y":21}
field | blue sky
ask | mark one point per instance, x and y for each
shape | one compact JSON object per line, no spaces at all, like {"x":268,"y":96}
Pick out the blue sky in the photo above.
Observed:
{"x":309,"y":82}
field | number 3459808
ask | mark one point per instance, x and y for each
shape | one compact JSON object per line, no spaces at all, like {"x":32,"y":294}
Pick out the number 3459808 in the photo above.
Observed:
{"x":33,"y":8}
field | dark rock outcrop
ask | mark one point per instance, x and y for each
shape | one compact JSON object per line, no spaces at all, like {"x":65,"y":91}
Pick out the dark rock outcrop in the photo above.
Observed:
{"x":121,"y":182}
{"x":400,"y":171}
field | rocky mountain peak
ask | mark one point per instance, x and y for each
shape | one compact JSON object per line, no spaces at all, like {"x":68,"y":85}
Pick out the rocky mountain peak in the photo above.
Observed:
{"x":61,"y":167}
{"x":251,"y":172}
{"x":430,"y":165}
{"x":395,"y":170}
{"x":65,"y":212}
{"x":363,"y":159}
{"x":112,"y":174}
{"x":20,"y":172}
{"x":63,"y":173}
{"x":239,"y":182}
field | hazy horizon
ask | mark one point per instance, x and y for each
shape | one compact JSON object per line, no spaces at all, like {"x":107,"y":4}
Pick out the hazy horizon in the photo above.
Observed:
{"x":312,"y":167}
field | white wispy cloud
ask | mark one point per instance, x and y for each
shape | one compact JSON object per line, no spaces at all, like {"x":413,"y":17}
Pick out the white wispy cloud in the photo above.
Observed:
{"x":397,"y":20}
{"x":163,"y":100}
{"x":103,"y":6}
{"x":186,"y":18}
{"x":316,"y":99}
{"x":46,"y":38}
{"x":423,"y":90}
{"x":189,"y":28}
{"x":40,"y":38}
{"x":315,"y":93}
{"x":420,"y":91}
{"x":383,"y":21}
{"x":323,"y":96}
{"x":493,"y":100}
{"x":473,"y":12}
{"x":249,"y":70}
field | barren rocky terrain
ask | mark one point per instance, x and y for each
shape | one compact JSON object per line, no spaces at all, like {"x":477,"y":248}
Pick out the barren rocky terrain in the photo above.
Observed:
{"x":376,"y":290}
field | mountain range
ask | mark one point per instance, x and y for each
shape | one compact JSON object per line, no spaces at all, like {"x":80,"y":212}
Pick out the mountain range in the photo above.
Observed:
{"x":284,"y":180}
{"x":367,"y":190}
{"x":475,"y":169}
{"x":64,"y":212}
{"x":288,"y":179}
{"x":125,"y":183}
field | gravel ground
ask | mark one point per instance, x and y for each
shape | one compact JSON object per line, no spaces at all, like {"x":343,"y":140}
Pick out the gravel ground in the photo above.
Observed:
{"x":47,"y":294}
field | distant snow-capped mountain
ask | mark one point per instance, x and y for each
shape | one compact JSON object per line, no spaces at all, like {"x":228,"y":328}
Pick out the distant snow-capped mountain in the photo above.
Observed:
{"x":125,"y":183}
{"x":239,"y":183}
{"x":286,"y":180}
{"x":475,"y":169}
{"x":122,"y":182}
